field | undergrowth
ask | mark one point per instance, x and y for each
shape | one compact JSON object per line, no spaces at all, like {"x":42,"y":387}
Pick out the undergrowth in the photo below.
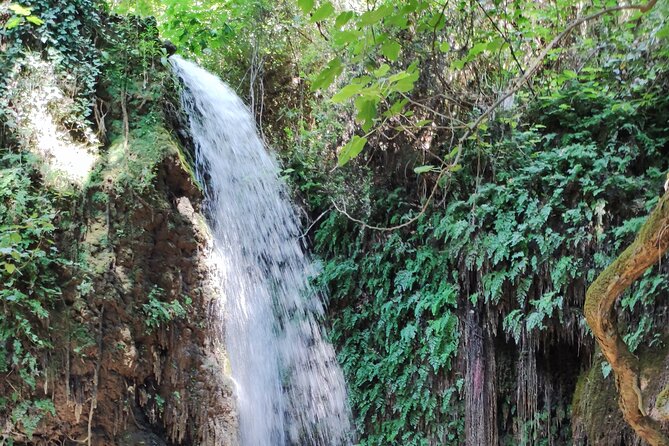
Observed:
{"x":535,"y":213}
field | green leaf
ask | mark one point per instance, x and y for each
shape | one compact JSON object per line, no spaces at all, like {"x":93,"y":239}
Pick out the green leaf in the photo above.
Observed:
{"x":444,"y":47}
{"x":20,"y":10}
{"x":343,"y":18}
{"x":326,"y":77}
{"x":346,"y":93}
{"x":10,"y":268}
{"x":382,"y":70}
{"x":13,"y":22}
{"x":351,"y":149}
{"x":663,"y":33}
{"x":391,"y":49}
{"x":366,"y":111}
{"x":477,"y":49}
{"x":306,"y":5}
{"x":342,"y":38}
{"x":374,"y":16}
{"x":403,"y":81}
{"x":35,"y":20}
{"x":323,"y":12}
{"x":424,"y":169}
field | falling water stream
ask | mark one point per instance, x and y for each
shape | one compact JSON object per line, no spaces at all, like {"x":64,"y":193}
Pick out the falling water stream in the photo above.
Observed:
{"x":290,"y":389}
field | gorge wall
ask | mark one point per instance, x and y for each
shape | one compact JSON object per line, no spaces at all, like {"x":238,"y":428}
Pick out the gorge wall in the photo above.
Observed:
{"x":105,"y":330}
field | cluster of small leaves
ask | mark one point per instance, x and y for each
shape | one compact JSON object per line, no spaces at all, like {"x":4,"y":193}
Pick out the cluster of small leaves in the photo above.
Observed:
{"x":159,"y":312}
{"x":387,"y":51}
{"x":398,"y":335}
{"x":29,"y":269}
{"x":65,"y":32}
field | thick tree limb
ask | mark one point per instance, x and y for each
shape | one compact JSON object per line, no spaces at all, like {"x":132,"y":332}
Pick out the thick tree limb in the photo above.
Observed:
{"x":650,"y":244}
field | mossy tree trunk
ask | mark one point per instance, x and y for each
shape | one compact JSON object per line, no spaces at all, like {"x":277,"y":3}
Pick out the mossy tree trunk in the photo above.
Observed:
{"x":648,"y":247}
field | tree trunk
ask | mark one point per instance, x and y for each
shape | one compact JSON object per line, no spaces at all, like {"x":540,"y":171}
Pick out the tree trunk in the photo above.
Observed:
{"x":648,"y":247}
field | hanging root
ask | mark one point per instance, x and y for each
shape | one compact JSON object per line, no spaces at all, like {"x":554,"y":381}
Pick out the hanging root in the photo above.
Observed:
{"x":650,"y":244}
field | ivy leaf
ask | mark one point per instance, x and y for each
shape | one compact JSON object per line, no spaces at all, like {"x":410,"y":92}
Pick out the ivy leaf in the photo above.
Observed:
{"x":424,"y":169}
{"x":351,"y":150}
{"x":10,"y":268}
{"x":20,"y":10}
{"x":13,"y":22}
{"x":306,"y":5}
{"x":35,"y":20}
{"x":326,"y":77}
{"x":323,"y":12}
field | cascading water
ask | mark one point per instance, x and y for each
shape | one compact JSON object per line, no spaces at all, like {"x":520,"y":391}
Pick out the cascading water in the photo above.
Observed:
{"x":290,"y":389}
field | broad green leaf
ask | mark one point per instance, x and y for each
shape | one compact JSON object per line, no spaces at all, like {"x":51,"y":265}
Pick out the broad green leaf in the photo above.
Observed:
{"x":343,"y":18}
{"x":382,"y":70}
{"x":323,"y":12}
{"x":477,"y":49}
{"x":458,"y":64}
{"x":13,"y":22}
{"x":495,"y":45}
{"x":366,"y":111}
{"x":455,"y":168}
{"x":398,"y":20}
{"x":35,"y":20}
{"x":351,"y":149}
{"x":342,"y":38}
{"x":15,"y":237}
{"x":306,"y":5}
{"x":397,"y":107}
{"x":375,"y":15}
{"x":404,"y":83}
{"x":326,"y":77}
{"x":346,"y":93}
{"x":20,"y":10}
{"x":391,"y":50}
{"x":444,"y":47}
{"x":424,"y":169}
{"x":10,"y":268}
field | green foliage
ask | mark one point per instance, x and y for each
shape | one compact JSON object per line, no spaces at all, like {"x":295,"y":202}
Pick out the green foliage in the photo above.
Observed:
{"x":30,"y":266}
{"x":536,"y":211}
{"x":64,"y":32}
{"x":391,"y":49}
{"x":160,"y":313}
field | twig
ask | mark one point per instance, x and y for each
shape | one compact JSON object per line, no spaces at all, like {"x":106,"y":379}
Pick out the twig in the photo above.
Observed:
{"x":516,"y":85}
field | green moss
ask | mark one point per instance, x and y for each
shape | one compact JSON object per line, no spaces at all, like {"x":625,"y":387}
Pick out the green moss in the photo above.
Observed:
{"x":662,"y":402}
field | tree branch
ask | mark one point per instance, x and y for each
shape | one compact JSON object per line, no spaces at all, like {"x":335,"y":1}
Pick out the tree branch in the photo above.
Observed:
{"x":650,"y":244}
{"x":515,"y":86}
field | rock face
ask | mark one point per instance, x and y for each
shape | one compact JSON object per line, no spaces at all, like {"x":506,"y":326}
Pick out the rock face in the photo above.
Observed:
{"x":132,"y":356}
{"x":157,"y":364}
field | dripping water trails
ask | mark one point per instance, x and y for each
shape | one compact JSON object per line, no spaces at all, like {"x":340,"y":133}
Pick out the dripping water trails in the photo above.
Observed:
{"x":291,"y":390}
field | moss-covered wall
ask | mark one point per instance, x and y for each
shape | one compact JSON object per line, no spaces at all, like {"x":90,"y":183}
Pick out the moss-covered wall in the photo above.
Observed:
{"x":117,"y":345}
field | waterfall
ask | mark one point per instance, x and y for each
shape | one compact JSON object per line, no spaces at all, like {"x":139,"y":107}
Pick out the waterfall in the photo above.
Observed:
{"x":290,"y":389}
